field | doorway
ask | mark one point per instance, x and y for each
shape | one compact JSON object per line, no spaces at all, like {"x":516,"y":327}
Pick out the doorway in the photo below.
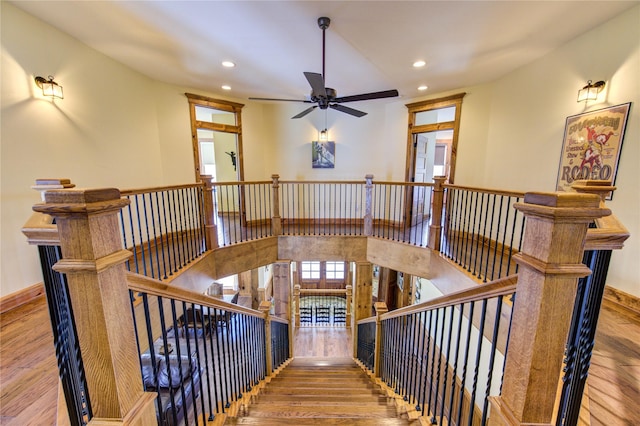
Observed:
{"x":432,"y":142}
{"x":216,"y":133}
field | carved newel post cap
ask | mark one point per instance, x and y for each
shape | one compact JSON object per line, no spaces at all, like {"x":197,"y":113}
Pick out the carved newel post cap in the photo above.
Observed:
{"x":580,"y":207}
{"x":68,"y":201}
{"x":600,"y":187}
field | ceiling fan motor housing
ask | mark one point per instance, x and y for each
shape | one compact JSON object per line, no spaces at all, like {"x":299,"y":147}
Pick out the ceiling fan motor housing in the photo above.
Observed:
{"x":323,"y":101}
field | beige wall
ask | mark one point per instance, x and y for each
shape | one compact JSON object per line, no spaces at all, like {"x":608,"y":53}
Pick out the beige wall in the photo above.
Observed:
{"x":133,"y":131}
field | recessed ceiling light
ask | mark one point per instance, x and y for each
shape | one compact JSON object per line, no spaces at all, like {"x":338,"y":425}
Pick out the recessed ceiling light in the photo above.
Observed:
{"x":418,"y":64}
{"x":423,"y":87}
{"x":228,"y":64}
{"x":226,"y":87}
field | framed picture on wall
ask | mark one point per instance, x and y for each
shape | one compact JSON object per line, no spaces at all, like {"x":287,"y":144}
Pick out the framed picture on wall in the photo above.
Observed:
{"x":323,"y":155}
{"x":591,"y":146}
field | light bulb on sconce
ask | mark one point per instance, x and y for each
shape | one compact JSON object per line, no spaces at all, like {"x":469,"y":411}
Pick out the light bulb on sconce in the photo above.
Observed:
{"x":324,"y":136}
{"x":590,"y":91}
{"x":49,"y":87}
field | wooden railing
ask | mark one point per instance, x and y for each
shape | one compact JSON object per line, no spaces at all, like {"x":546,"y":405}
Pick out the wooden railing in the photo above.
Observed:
{"x":413,"y":346}
{"x":444,"y":357}
{"x":481,"y":230}
{"x":200,"y":354}
{"x":548,"y":255}
{"x":167,"y":228}
{"x":116,"y":336}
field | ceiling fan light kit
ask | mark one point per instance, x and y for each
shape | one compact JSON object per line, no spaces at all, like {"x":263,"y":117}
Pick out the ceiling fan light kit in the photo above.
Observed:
{"x":327,"y":97}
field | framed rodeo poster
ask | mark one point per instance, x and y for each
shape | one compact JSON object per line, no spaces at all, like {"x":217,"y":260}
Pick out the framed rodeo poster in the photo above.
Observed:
{"x":591,"y":146}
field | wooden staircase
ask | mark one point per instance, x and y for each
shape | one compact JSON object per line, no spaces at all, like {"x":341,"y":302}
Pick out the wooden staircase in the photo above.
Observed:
{"x":321,"y":391}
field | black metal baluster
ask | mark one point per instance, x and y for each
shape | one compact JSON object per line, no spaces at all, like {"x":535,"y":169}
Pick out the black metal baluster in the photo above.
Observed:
{"x":466,"y":361}
{"x":474,"y":388}
{"x":490,"y":239}
{"x":482,"y":237}
{"x":471,"y":235}
{"x":149,"y":241}
{"x":420,"y":357}
{"x":434,"y":348}
{"x":461,"y":228}
{"x":435,"y":398}
{"x":222,"y":369}
{"x":492,"y":358}
{"x":182,"y":227}
{"x":425,"y":360}
{"x":166,"y":213}
{"x":513,"y":233}
{"x":447,"y":360}
{"x":454,"y":374}
{"x":413,"y":365}
{"x":160,"y":237}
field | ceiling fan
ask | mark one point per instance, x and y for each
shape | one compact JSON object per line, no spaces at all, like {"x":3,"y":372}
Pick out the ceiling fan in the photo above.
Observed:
{"x":326,"y":97}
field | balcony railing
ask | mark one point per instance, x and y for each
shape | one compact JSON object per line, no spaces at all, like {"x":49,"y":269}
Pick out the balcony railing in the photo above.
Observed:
{"x":165,"y":229}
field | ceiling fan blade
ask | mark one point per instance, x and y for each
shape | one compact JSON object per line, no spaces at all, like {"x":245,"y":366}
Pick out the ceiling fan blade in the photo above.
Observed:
{"x":276,"y":99}
{"x":366,"y":96}
{"x":305,"y":112}
{"x":348,"y":110}
{"x":317,"y":83}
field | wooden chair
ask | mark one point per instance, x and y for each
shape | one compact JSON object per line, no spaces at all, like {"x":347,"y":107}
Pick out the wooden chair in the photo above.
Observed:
{"x":305,"y":314}
{"x":194,"y":323}
{"x":322,"y":314}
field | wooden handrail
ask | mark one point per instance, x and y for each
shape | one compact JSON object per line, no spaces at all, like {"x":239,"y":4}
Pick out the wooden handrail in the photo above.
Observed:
{"x":278,"y":319}
{"x":383,"y":182}
{"x":137,"y":191}
{"x":244,"y":182}
{"x":486,"y":190}
{"x":141,"y":283}
{"x":610,"y":234}
{"x":499,"y":287}
{"x":340,"y":291}
{"x":359,"y":182}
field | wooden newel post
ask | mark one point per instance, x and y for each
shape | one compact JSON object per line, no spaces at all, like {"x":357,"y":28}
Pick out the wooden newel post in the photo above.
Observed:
{"x":368,"y":206}
{"x":265,"y":307}
{"x":348,"y":292}
{"x":550,"y":264}
{"x":435,"y":229}
{"x":93,"y":260}
{"x":276,"y":221}
{"x":381,"y":308}
{"x":296,"y":299}
{"x":209,"y":211}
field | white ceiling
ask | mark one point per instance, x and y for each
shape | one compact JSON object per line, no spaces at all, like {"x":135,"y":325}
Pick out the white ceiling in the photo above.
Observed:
{"x":370,"y":45}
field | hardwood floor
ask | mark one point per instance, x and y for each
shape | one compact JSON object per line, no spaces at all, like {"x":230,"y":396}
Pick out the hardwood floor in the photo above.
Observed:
{"x":29,"y":379}
{"x":28,"y":367}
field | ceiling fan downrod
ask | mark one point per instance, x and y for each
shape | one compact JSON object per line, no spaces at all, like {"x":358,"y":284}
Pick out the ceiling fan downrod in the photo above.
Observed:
{"x":323,"y":23}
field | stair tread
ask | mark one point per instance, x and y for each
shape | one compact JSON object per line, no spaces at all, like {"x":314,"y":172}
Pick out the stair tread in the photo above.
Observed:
{"x":321,"y":391}
{"x":346,"y":421}
{"x":295,"y":403}
{"x":315,"y":398}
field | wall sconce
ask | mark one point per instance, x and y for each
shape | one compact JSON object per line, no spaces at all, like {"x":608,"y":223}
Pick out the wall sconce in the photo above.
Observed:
{"x":324,"y":136}
{"x":590,"y":91}
{"x":49,"y":87}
